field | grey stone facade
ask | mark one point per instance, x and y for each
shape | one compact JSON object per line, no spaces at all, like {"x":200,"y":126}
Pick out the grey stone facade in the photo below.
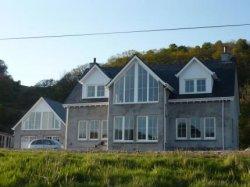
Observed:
{"x":40,"y":134}
{"x":88,"y":113}
{"x":135,"y":110}
{"x":201,"y":110}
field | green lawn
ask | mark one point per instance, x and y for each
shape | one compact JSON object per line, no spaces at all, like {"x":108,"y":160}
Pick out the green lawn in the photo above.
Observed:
{"x":49,"y":168}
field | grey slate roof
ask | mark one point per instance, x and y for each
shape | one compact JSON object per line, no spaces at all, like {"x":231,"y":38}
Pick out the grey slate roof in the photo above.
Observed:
{"x":57,"y":107}
{"x":223,"y":86}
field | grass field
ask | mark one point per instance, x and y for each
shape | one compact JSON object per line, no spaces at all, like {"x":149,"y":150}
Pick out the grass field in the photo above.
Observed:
{"x":49,"y":168}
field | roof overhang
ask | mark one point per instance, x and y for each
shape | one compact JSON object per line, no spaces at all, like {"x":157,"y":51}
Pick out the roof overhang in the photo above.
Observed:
{"x":207,"y":99}
{"x":27,"y":113}
{"x":90,"y":71}
{"x":194,"y":59}
{"x":138,"y":60}
{"x":86,"y":104}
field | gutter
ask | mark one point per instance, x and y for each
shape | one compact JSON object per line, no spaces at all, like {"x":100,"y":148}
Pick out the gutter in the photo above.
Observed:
{"x":66,"y":129}
{"x":164,"y":120}
{"x":222,"y":125}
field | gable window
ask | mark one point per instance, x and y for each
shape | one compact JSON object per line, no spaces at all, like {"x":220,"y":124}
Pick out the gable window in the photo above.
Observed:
{"x":195,"y":128}
{"x":209,"y":128}
{"x":147,"y":128}
{"x":82,"y":130}
{"x":94,"y":129}
{"x":123,"y":128}
{"x":91,"y":91}
{"x":136,"y":86}
{"x":201,"y":85}
{"x":100,"y":91}
{"x":181,"y":128}
{"x":104,"y":129}
{"x":189,"y":86}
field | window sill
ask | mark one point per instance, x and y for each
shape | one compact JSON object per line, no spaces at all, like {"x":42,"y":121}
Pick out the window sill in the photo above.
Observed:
{"x":197,"y":139}
{"x":40,"y":129}
{"x":134,"y":103}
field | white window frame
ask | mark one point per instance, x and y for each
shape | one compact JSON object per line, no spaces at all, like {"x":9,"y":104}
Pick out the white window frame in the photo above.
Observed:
{"x":41,"y":121}
{"x":98,"y":130}
{"x":146,"y":140}
{"x":195,"y":86}
{"x":136,"y":88}
{"x":205,"y":85}
{"x":209,"y":138}
{"x":176,"y":128}
{"x":190,"y":126}
{"x":95,"y":94}
{"x":123,"y":130}
{"x":102,"y":129}
{"x":86,"y":128}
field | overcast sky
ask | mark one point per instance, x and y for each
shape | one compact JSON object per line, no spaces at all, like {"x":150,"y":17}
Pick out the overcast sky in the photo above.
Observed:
{"x":32,"y":60}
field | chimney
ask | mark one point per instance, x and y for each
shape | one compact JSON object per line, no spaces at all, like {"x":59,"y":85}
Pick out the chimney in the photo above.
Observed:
{"x":92,"y":63}
{"x":226,"y":56}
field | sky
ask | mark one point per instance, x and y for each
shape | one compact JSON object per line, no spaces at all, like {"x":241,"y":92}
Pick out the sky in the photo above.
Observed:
{"x":33,"y":60}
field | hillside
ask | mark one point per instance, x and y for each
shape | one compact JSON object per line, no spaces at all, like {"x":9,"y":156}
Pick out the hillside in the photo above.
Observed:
{"x":15,"y":99}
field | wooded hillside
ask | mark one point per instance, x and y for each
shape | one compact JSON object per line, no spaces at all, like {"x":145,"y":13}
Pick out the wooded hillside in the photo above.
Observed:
{"x":15,"y":99}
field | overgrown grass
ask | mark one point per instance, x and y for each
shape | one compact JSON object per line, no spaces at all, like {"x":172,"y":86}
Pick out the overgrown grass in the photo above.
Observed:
{"x":49,"y":168}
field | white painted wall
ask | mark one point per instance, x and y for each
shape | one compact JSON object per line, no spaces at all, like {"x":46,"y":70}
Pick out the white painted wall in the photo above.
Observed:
{"x":195,"y":71}
{"x":95,"y":77}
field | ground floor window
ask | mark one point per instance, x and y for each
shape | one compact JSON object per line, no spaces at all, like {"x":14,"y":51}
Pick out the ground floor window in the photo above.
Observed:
{"x":123,"y":128}
{"x":199,"y":128}
{"x":147,"y":128}
{"x":25,"y":140}
{"x":94,"y":128}
{"x":209,"y":128}
{"x":2,"y":140}
{"x":82,"y":130}
{"x":104,"y":129}
{"x":57,"y":138}
{"x":181,"y":128}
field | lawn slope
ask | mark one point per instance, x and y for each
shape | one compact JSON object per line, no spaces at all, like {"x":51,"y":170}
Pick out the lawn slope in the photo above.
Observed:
{"x":48,"y":168}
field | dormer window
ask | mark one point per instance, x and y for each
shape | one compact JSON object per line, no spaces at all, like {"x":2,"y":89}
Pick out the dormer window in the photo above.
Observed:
{"x":201,"y":85}
{"x":95,"y":91}
{"x":189,"y":86}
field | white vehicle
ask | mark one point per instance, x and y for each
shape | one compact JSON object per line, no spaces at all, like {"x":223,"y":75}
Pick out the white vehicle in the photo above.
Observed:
{"x":45,"y":144}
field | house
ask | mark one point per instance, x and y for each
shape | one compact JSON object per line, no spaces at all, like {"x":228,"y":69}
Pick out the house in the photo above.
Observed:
{"x":143,"y":107}
{"x":155,"y":107}
{"x":5,"y":139}
{"x":45,"y":119}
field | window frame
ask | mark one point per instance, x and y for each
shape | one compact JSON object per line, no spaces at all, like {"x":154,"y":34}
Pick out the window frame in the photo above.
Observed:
{"x":123,"y":130}
{"x":86,"y":128}
{"x":98,"y":130}
{"x":201,"y":79}
{"x":176,"y":128}
{"x":95,"y":91}
{"x":102,"y":129}
{"x":136,"y":83}
{"x":137,"y":125}
{"x":190,"y":128}
{"x":209,"y":138}
{"x":185,"y":82}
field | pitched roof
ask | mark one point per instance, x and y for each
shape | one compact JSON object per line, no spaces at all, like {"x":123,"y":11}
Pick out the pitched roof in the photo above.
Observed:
{"x":57,"y":107}
{"x":223,"y":86}
{"x":76,"y":94}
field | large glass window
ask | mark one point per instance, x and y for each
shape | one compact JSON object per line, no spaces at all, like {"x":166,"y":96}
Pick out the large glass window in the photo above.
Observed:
{"x":104,"y":129}
{"x":124,"y":128}
{"x":140,"y":88}
{"x":153,"y":89}
{"x":189,"y":86}
{"x":90,"y":91}
{"x":82,"y":130}
{"x":142,"y":84}
{"x":195,"y":128}
{"x":129,"y":85}
{"x":119,"y":91}
{"x":209,"y":128}
{"x":147,"y":128}
{"x":118,"y":126}
{"x":94,"y":129}
{"x":201,"y":85}
{"x":181,"y":128}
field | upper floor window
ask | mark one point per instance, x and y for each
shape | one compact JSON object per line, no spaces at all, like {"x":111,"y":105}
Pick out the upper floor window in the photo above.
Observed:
{"x":195,"y":85}
{"x":41,"y":121}
{"x":201,"y":85}
{"x":95,"y":91}
{"x":189,"y":86}
{"x":137,"y":85}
